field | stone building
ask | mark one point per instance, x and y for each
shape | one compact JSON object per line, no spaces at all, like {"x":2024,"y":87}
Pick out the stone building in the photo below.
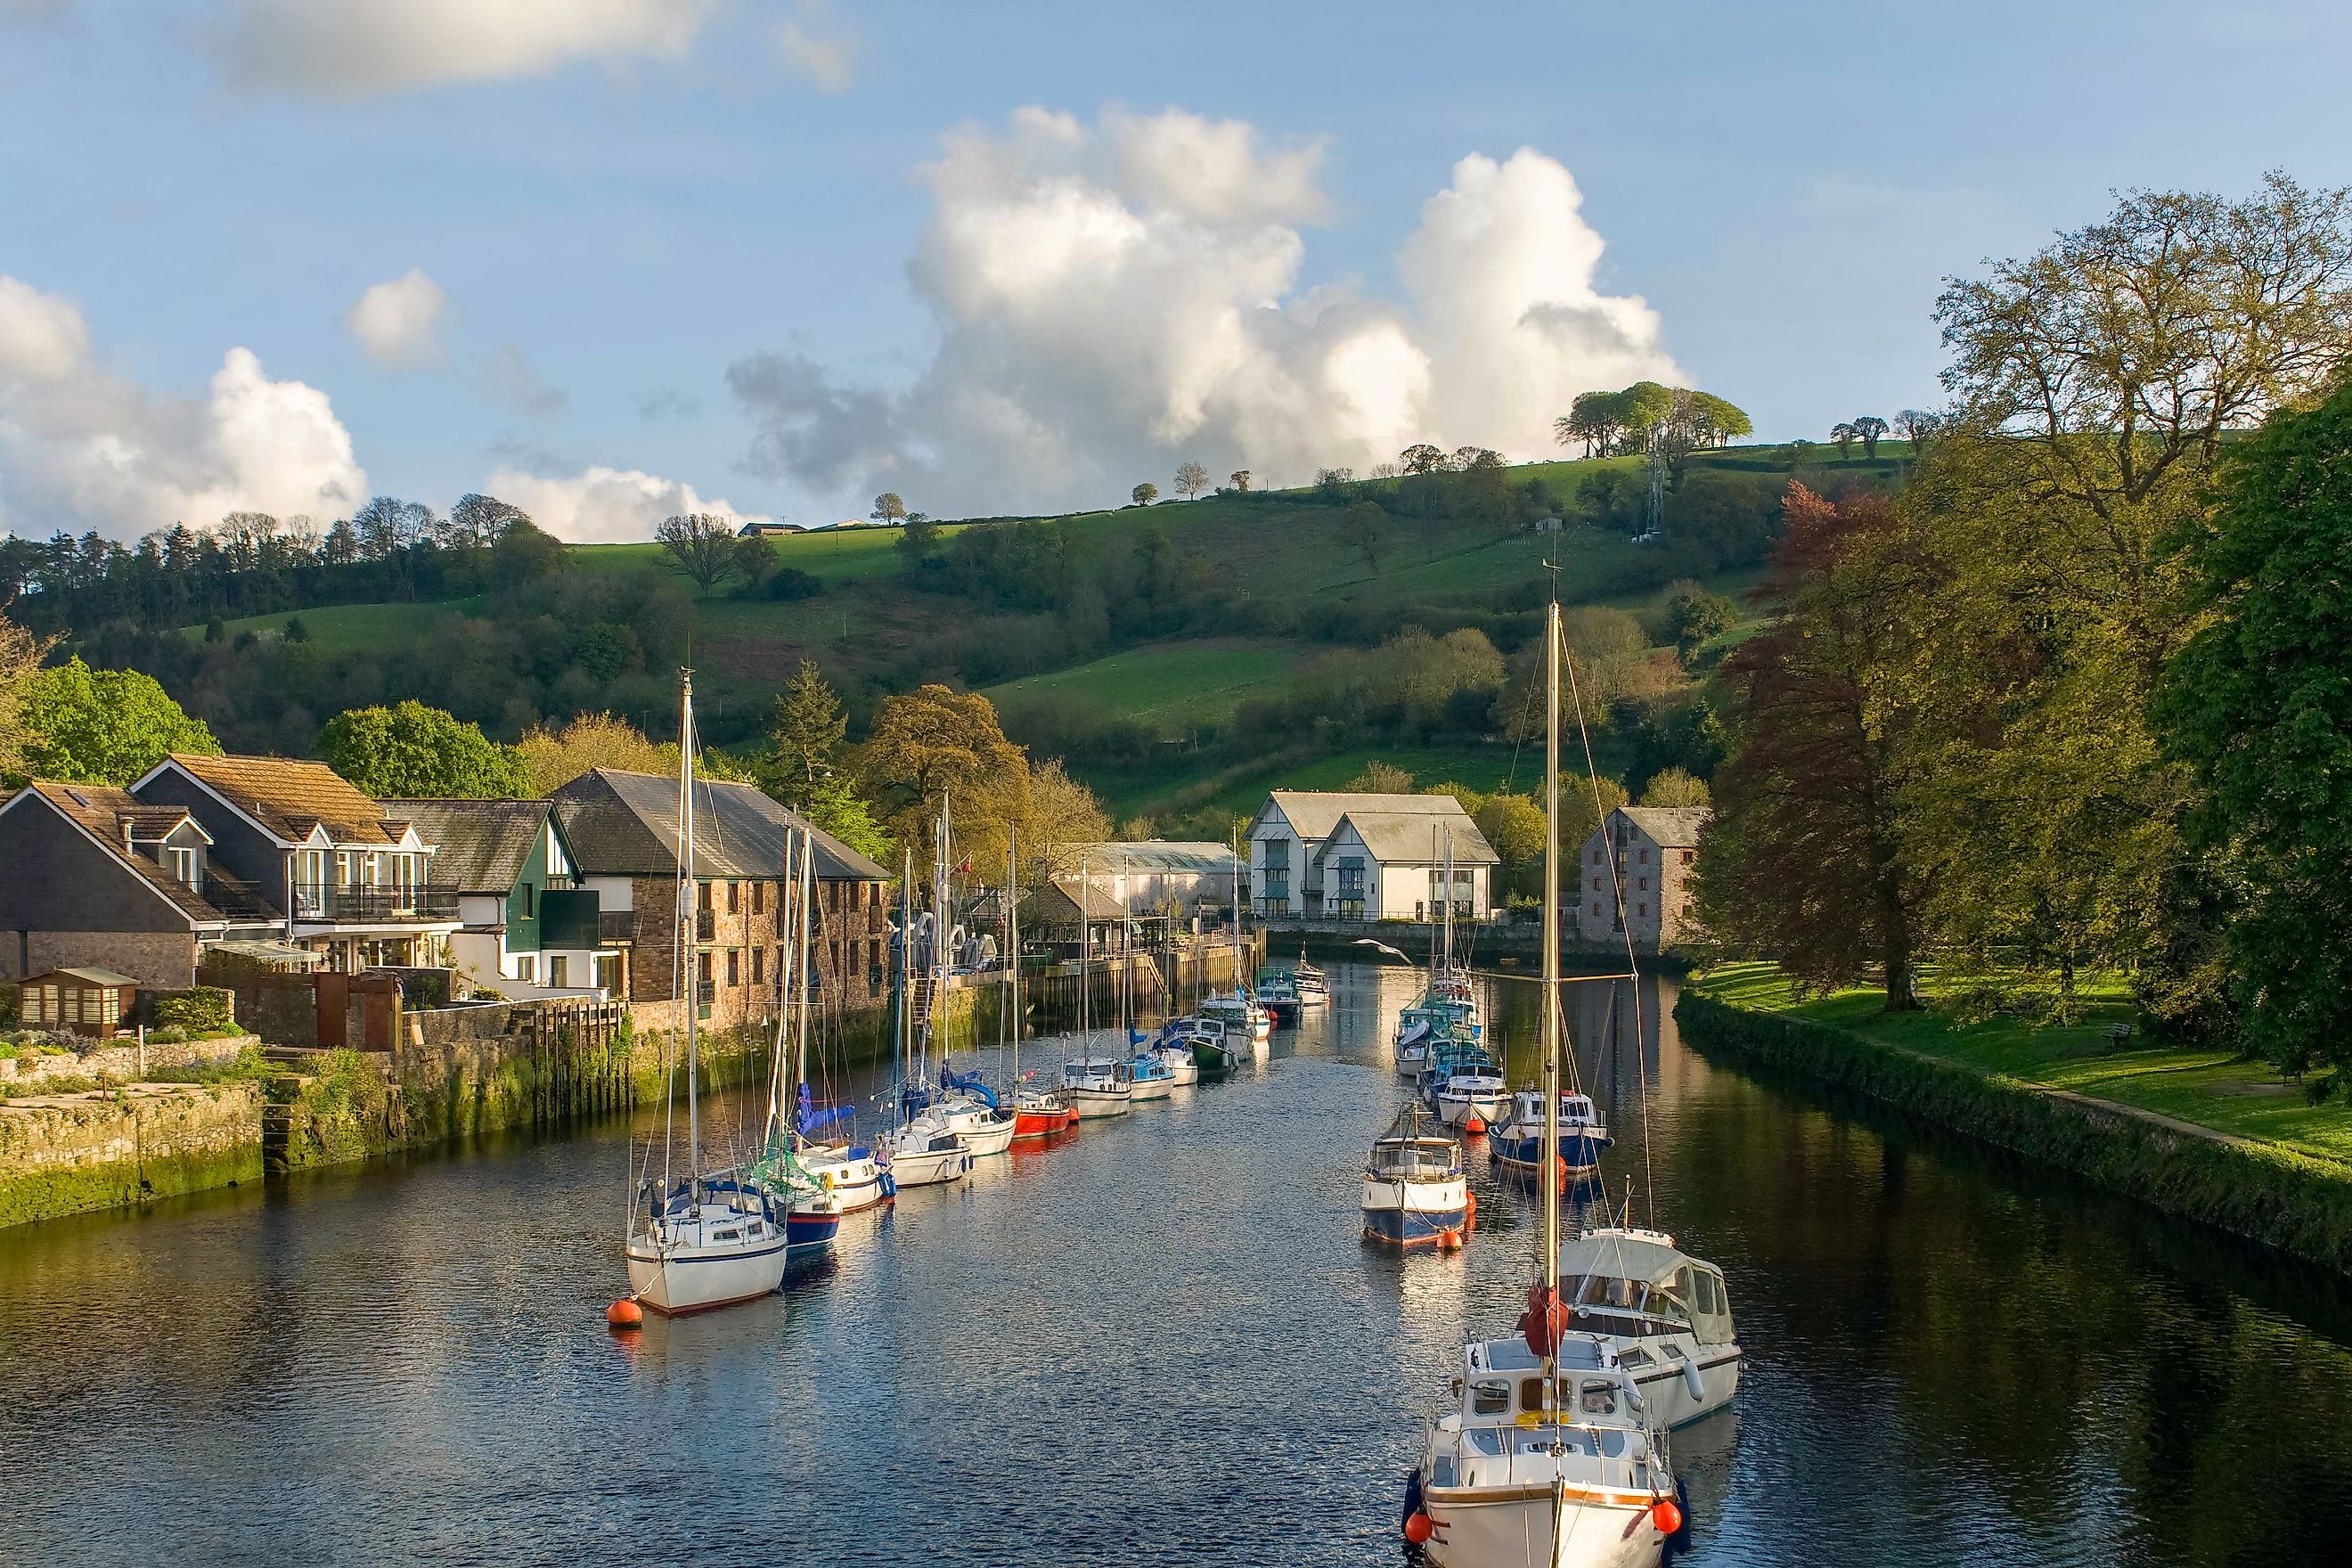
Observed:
{"x":1654,"y":849}
{"x":622,"y":827}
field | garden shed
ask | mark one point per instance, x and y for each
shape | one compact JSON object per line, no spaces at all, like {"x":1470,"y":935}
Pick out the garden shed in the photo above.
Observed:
{"x":80,"y":1001}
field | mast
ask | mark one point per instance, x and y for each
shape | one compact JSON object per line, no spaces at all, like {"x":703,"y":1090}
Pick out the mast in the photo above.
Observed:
{"x":801,"y":952}
{"x":1547,"y":1275}
{"x":1013,"y":950}
{"x":903,"y":1051}
{"x":784,"y":1021}
{"x":1237,"y":910}
{"x":939,"y":966}
{"x":685,"y":923}
{"x":1449,"y":895}
{"x":1086,"y":941}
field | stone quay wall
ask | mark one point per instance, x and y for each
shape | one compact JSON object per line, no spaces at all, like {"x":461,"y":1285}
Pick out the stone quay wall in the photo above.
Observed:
{"x":62,"y":1154}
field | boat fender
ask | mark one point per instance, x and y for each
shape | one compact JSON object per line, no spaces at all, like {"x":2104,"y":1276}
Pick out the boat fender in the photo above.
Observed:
{"x":1470,"y":1221}
{"x":1694,"y":1382}
{"x":824,"y":1180}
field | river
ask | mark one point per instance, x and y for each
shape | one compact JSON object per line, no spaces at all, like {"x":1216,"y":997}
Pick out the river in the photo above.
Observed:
{"x":1159,"y":1341}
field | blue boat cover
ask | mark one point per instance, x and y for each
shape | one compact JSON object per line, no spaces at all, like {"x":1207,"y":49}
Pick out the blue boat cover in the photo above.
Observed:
{"x":811,"y":1119}
{"x":970,"y":1081}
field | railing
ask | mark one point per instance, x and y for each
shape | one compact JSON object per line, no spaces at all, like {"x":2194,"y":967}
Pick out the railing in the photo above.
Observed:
{"x":615,"y":926}
{"x":327,"y":901}
{"x":234,"y":897}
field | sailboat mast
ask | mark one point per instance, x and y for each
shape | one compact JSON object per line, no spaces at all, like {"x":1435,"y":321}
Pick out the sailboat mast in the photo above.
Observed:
{"x":1012,"y":949}
{"x":1548,"y":1265}
{"x":801,"y":954}
{"x":1086,"y":941}
{"x":687,"y":912}
{"x":903,"y":1057}
{"x":938,"y":940}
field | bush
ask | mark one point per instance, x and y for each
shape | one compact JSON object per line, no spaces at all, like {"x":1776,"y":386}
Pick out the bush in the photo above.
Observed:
{"x":792,"y":583}
{"x":197,"y":1010}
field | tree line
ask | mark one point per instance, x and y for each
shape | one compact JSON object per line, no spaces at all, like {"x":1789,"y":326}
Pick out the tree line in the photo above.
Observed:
{"x":2076,"y":700}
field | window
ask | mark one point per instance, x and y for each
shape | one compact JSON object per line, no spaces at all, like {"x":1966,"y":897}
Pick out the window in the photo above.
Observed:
{"x":1596,"y":909}
{"x":1489,"y":1398}
{"x":734,"y":966}
{"x":734,"y":897}
{"x":1599,"y":1398}
{"x":527,"y":967}
{"x":1596,"y":884}
{"x":1643,"y":857}
{"x":702,"y":966}
{"x":1532,"y":1392}
{"x":183,"y":865}
{"x":1642,"y":884}
{"x":1690,"y":856}
{"x":759,"y":904}
{"x":559,"y":970}
{"x":557,"y":866}
{"x":758,"y":954}
{"x":702,"y":897}
{"x":1642,"y":910}
{"x":529,"y":900}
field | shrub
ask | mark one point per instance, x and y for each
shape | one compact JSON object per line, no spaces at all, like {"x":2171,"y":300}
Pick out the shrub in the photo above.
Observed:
{"x":197,"y":1009}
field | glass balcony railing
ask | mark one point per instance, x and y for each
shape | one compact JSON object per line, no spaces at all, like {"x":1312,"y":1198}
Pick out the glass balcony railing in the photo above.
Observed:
{"x":420,"y":901}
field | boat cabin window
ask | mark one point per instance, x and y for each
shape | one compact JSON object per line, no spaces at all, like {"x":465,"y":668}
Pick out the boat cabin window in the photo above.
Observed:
{"x":1598,"y":1398}
{"x":1705,"y":1294}
{"x":1489,"y":1397}
{"x":1531,"y":1394}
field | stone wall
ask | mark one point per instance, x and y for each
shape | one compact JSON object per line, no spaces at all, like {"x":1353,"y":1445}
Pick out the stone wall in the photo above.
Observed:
{"x":120,"y":1064}
{"x":63,"y":1154}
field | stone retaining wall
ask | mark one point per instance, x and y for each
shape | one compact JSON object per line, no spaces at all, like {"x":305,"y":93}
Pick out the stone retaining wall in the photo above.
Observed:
{"x":120,"y":1064}
{"x":62,"y":1154}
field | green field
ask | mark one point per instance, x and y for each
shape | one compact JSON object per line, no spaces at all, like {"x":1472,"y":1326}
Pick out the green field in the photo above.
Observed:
{"x":2211,"y":1088}
{"x":347,"y":628}
{"x":1167,"y":685}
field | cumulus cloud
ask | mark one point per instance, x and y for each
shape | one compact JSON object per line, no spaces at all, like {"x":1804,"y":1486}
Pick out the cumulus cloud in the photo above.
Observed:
{"x":398,"y":324}
{"x":604,"y":506}
{"x":510,"y":380}
{"x":80,"y":448}
{"x":814,"y":44}
{"x":349,"y":49}
{"x":1112,"y":299}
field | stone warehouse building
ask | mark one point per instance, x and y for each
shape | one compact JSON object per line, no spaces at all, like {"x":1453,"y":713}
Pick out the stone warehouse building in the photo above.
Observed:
{"x":1654,"y":849}
{"x":622,"y":832}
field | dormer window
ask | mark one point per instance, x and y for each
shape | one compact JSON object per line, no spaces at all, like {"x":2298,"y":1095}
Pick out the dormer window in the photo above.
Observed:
{"x":182,"y":864}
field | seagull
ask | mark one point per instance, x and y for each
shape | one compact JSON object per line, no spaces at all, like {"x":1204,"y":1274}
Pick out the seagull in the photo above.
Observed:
{"x":1382,"y":947}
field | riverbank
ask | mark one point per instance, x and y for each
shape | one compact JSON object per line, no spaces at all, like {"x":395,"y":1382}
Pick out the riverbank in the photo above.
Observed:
{"x":2201,"y":1134}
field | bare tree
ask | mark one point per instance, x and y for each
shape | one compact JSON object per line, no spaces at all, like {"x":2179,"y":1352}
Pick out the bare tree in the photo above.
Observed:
{"x":1192,"y":479}
{"x":701,"y":545}
{"x":1918,"y":427}
{"x":1845,"y":435}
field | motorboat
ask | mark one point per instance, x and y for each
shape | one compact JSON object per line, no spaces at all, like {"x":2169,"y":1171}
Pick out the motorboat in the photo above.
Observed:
{"x":925,"y":1151}
{"x":1515,"y":1137}
{"x":1216,"y":1050}
{"x":1463,"y":1087}
{"x":1661,"y":1314}
{"x":1096,"y":1087}
{"x":1148,"y":1077}
{"x":852,"y":1175}
{"x":1416,"y":1190}
{"x":1172,"y":1047}
{"x":1277,"y":991}
{"x":1245,"y":1020}
{"x":1314,"y":986}
{"x":1543,"y":1463}
{"x":1040,"y":1113}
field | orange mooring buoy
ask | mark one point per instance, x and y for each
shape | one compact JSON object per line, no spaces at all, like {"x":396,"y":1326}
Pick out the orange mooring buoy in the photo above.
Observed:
{"x":625,"y":1313}
{"x":1474,"y":1126}
{"x":1419,"y":1527}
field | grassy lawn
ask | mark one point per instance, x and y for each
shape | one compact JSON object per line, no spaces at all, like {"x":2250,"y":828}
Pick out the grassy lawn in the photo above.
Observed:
{"x":348,"y":628}
{"x":2209,"y":1088}
{"x":836,"y":556}
{"x":1167,"y":685}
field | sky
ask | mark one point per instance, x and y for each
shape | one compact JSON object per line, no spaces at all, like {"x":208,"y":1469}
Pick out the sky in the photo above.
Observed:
{"x":611,"y":259}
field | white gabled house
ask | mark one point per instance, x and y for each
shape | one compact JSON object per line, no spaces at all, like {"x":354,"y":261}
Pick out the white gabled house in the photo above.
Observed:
{"x":1325,"y":855}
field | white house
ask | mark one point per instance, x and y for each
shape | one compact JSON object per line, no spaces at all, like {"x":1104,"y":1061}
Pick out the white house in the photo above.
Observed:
{"x":1344,"y":856}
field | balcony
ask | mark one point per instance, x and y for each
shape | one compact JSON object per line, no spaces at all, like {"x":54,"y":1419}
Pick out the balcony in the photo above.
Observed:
{"x":327,"y":901}
{"x":616,"y":928}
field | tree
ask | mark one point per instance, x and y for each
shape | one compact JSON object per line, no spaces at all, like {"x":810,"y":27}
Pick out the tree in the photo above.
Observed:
{"x":296,"y":630}
{"x":1377,"y":777}
{"x":1364,"y":528}
{"x":1716,"y":422}
{"x":701,"y":545}
{"x":1192,"y":479}
{"x":412,"y":750}
{"x":1424,"y":458}
{"x":1845,"y":435}
{"x":1240,"y":479}
{"x":833,"y":806}
{"x":1674,"y":786}
{"x":1804,"y":855}
{"x":1919,"y":428}
{"x":524,"y":552}
{"x":553,"y":758}
{"x":20,"y":665}
{"x":931,"y":739}
{"x":804,"y":735}
{"x":2258,"y":703}
{"x":1333,"y":484}
{"x":1867,"y":429}
{"x":79,"y":725}
{"x":1514,"y":825}
{"x":888,"y":508}
{"x":480,"y":519}
{"x":1596,"y":418}
{"x":918,"y":540}
{"x":1694,"y":616}
{"x":1144,"y":494}
{"x":755,"y":560}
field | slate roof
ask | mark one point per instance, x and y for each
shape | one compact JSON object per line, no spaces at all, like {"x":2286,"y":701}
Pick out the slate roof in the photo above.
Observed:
{"x":625,"y":824}
{"x":1313,"y":814}
{"x":1419,"y":838}
{"x":1669,"y":826}
{"x":102,"y":810}
{"x":1164,"y":855}
{"x":484,"y":844}
{"x":1059,"y":901}
{"x":289,"y":797}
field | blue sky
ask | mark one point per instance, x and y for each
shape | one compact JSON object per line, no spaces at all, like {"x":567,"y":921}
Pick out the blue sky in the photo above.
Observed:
{"x":636,"y":211}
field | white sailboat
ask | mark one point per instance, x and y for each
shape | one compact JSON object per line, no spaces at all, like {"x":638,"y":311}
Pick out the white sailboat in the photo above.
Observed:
{"x":1036,"y":1112}
{"x":965,"y":1104}
{"x":699,"y":1239}
{"x":920,"y":1150}
{"x":1540,"y":1461}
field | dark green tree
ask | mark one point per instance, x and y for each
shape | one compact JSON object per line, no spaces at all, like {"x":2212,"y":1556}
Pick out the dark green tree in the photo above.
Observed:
{"x":414,"y":750}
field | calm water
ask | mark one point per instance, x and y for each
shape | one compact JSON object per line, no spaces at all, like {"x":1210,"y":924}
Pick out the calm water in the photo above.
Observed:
{"x":1159,"y":1343}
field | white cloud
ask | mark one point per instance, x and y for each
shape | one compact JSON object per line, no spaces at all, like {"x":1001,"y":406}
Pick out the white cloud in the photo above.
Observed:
{"x":349,"y":49}
{"x":80,"y":448}
{"x":398,"y":324}
{"x":815,"y":46}
{"x":510,"y":381}
{"x":1115,"y":298}
{"x":602,"y":506}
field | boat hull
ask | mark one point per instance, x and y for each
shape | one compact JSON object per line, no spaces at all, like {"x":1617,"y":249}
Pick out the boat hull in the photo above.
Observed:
{"x":984,"y":1137}
{"x":1457,"y":1110}
{"x":678,"y":1281}
{"x":1510,"y":1527}
{"x":1212,"y":1060}
{"x":1578,"y":1151}
{"x":808,"y":1238}
{"x":1094,"y":1104}
{"x":930,"y":1168}
{"x":858,"y":1180}
{"x":1031,"y":1124}
{"x":1411,"y":1215}
{"x":1152,"y":1087}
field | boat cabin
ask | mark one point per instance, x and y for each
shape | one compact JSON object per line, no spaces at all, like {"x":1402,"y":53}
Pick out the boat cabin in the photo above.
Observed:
{"x":1414,"y":1160}
{"x":1633,"y":1283}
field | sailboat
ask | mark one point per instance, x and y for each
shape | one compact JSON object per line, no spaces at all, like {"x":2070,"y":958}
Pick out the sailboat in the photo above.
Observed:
{"x":920,"y":1149}
{"x":1036,"y":1112}
{"x":965,"y":1103}
{"x":1539,"y":1460}
{"x":849,"y":1177}
{"x":701,"y":1238}
{"x":1149,"y":1075}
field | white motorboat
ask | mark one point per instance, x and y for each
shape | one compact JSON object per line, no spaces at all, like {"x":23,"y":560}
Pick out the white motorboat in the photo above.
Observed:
{"x":926,"y":1152}
{"x":1516,"y":1138}
{"x":1244,"y":1019}
{"x":1416,"y":1191}
{"x":1096,"y":1087}
{"x":1543,"y":1464}
{"x":697,"y":1239}
{"x":1314,"y":986}
{"x":1472,"y":1101}
{"x":1662,"y":1315}
{"x":1150,"y":1077}
{"x":850,"y":1173}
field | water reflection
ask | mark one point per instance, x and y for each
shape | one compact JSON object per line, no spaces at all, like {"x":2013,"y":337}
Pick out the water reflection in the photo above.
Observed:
{"x":1161,"y":1341}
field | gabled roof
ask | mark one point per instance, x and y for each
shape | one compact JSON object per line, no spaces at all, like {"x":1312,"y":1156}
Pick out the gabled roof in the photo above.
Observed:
{"x":1313,"y":814}
{"x":625,"y":824}
{"x":1392,"y":836}
{"x":1069,"y":895}
{"x":484,"y":844}
{"x":103,"y":813}
{"x":89,"y":975}
{"x":1159,"y":856}
{"x":287,"y":797}
{"x":1669,"y":826}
